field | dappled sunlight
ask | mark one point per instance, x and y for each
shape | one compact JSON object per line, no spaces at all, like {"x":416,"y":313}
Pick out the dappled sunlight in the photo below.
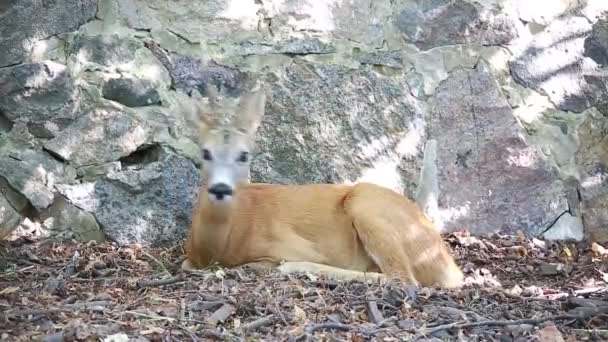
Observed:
{"x":533,"y":107}
{"x":244,"y":12}
{"x":310,"y":14}
{"x":409,"y":145}
{"x":593,"y":181}
{"x":139,"y":229}
{"x":81,"y":195}
{"x":384,"y":172}
{"x":444,"y":216}
{"x":594,"y":9}
{"x":374,"y":147}
{"x":146,"y":71}
{"x":33,"y":84}
{"x":430,"y":208}
{"x":39,"y":49}
{"x":528,"y":157}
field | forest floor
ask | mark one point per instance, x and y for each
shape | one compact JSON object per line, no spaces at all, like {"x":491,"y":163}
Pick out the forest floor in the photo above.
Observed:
{"x":517,"y":290}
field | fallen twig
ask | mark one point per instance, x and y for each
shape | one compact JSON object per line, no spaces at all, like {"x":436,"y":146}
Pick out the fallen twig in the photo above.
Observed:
{"x":373,"y":314}
{"x":154,"y":317}
{"x":160,"y":282}
{"x":258,"y":323}
{"x":531,"y":321}
{"x":221,"y":314}
{"x":329,"y":326}
{"x":162,"y":266}
{"x":64,"y":308}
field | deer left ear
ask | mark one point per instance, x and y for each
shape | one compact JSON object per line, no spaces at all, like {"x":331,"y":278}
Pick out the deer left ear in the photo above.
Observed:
{"x":207,"y":109}
{"x":251,"y":110}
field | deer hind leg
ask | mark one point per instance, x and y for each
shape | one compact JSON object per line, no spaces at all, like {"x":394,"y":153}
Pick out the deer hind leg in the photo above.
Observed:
{"x":330,"y":272}
{"x":384,"y":245}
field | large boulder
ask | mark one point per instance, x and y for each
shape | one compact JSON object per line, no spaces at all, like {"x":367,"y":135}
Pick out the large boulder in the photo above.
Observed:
{"x":490,"y":177}
{"x":592,"y":161}
{"x":25,"y":22}
{"x":41,"y":94}
{"x":34,"y":173}
{"x":553,"y":63}
{"x":149,"y":202}
{"x":429,"y":24}
{"x":101,"y":136}
{"x":331,"y":124}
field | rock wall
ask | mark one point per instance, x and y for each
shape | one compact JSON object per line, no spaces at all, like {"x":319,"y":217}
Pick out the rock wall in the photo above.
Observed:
{"x":492,"y":114}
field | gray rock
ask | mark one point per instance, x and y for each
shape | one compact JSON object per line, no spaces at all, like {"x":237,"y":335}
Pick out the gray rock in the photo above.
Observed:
{"x":34,"y":174}
{"x":132,"y":92}
{"x":189,"y":74}
{"x":596,"y":45}
{"x":149,"y":204}
{"x":305,"y":47}
{"x":490,"y":178}
{"x":13,"y":204}
{"x":328,"y":124}
{"x":598,"y":89}
{"x":67,"y":221}
{"x":101,"y":136}
{"x":25,"y":22}
{"x":9,"y":217}
{"x":110,"y":50}
{"x":292,"y":47}
{"x":14,"y":198}
{"x":429,"y":24}
{"x":592,"y":161}
{"x":391,"y":59}
{"x":5,"y":123}
{"x":42,"y":94}
{"x":90,"y":172}
{"x":563,"y":78}
{"x":212,"y":19}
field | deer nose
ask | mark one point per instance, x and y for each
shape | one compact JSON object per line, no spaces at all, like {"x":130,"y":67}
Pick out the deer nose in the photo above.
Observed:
{"x":220,"y":190}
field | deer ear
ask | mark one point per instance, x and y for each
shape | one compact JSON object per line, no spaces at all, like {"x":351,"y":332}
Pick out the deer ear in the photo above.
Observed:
{"x":250,"y":110}
{"x":207,"y":109}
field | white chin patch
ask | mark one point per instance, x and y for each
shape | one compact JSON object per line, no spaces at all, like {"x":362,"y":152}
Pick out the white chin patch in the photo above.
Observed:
{"x":226,"y":199}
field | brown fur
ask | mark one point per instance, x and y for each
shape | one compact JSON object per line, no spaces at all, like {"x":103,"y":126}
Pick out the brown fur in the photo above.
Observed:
{"x":349,"y":232}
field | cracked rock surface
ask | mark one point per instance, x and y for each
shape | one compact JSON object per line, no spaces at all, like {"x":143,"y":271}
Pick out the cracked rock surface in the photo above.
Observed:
{"x":492,"y":114}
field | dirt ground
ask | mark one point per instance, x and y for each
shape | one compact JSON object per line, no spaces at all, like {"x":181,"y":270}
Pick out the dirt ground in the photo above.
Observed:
{"x":517,"y":290}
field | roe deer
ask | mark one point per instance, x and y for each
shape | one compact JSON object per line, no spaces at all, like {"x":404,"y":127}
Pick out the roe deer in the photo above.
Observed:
{"x":346,"y":232}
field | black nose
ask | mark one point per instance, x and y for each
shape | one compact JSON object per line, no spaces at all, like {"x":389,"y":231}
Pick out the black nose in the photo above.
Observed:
{"x":220,"y":190}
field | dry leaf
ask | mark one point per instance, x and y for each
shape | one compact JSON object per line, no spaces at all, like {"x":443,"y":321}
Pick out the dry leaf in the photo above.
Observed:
{"x":598,"y":249}
{"x":152,"y":330}
{"x":11,"y":289}
{"x":298,"y":330}
{"x":521,"y":237}
{"x":550,"y":333}
{"x":299,"y":313}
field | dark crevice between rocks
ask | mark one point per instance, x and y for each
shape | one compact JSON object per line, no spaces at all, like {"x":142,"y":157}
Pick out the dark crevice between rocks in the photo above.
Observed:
{"x":554,"y":222}
{"x":573,"y":199}
{"x":55,"y":156}
{"x":145,"y":154}
{"x":11,"y":65}
{"x":26,"y":210}
{"x":182,"y":37}
{"x":6,"y":125}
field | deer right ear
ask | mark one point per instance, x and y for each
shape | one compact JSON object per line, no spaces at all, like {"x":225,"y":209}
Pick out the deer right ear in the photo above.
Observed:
{"x":251,"y":109}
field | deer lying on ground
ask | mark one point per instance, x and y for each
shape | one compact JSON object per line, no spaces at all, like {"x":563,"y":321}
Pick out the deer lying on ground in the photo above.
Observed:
{"x":345,"y":232}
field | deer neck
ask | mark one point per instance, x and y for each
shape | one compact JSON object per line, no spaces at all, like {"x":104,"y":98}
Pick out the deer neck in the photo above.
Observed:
{"x":216,"y":218}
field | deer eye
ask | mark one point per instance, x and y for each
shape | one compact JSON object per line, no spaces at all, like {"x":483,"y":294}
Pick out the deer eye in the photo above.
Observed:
{"x":243,"y":157}
{"x":207,"y":155}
